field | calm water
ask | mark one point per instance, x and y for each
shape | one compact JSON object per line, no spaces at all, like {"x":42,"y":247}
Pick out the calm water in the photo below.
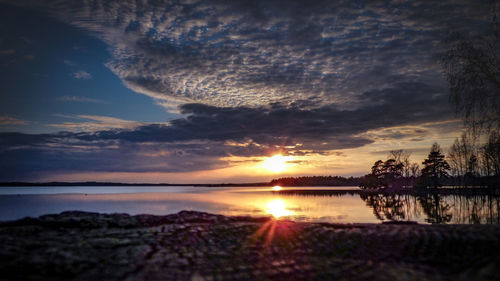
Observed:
{"x":19,"y":202}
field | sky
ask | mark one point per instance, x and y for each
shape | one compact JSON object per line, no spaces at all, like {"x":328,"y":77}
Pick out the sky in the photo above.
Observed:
{"x":207,"y":91}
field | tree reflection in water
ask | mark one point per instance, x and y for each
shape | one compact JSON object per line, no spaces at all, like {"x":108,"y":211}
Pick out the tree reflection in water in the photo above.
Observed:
{"x":436,"y":209}
{"x":477,"y":209}
{"x":388,"y":207}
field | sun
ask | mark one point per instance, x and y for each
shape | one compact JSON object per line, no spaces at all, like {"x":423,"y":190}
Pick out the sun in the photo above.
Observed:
{"x":275,"y":164}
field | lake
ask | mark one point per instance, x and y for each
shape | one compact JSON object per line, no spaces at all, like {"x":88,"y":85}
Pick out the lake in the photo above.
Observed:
{"x":19,"y":202}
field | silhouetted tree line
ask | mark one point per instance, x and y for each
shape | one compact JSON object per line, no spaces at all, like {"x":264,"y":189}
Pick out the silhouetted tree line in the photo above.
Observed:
{"x":472,"y":163}
{"x":396,"y":172}
{"x":317,"y":181}
{"x":469,"y":164}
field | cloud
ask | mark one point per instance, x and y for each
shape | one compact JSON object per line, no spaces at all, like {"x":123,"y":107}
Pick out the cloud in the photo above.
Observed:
{"x":323,"y":127}
{"x":208,"y":136}
{"x":79,"y":99}
{"x":252,"y":78}
{"x":97,"y":123}
{"x":24,"y":156}
{"x":82,"y":74}
{"x":69,"y":63}
{"x":252,"y":53}
{"x":7,"y":120}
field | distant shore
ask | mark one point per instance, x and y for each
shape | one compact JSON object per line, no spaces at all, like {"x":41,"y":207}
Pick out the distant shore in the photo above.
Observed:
{"x":200,"y":246}
{"x":92,"y":183}
{"x":409,"y":191}
{"x":287,"y":190}
{"x":290,"y":181}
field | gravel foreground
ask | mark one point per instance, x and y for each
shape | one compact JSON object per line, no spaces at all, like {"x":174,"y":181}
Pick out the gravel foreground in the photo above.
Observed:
{"x":200,"y":246}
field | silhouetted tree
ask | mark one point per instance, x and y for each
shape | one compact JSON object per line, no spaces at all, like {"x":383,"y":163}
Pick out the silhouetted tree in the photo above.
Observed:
{"x":407,"y":169}
{"x":393,"y":173}
{"x":376,"y":178}
{"x":317,"y":181}
{"x":397,"y":155}
{"x":490,"y":160}
{"x":435,"y":167}
{"x":402,"y":159}
{"x":491,"y":155}
{"x":463,"y":160}
{"x":384,"y":174}
{"x":415,"y":173}
{"x":472,"y":68}
{"x":378,"y":168}
{"x":472,"y":166}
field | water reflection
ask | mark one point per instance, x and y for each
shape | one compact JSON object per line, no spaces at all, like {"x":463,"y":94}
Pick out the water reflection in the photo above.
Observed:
{"x":277,"y":209}
{"x":392,"y":207}
{"x":344,"y":207}
{"x":434,"y":208}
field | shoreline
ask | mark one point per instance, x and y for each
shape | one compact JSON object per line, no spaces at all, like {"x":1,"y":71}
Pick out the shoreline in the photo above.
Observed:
{"x":467,"y":191}
{"x":193,"y":245}
{"x":296,"y":189}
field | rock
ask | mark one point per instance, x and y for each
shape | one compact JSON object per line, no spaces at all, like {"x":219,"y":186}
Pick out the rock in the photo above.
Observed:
{"x":200,"y":246}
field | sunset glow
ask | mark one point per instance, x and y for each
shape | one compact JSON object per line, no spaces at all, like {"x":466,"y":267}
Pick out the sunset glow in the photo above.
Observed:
{"x":277,"y":188}
{"x":276,"y":164}
{"x":278,"y":209}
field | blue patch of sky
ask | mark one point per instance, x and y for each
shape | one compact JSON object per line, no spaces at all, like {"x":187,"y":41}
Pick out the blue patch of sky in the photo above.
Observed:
{"x":133,"y":26}
{"x":39,"y":57}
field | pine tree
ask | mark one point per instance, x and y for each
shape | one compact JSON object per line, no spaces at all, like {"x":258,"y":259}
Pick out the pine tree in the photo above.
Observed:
{"x":435,"y":167}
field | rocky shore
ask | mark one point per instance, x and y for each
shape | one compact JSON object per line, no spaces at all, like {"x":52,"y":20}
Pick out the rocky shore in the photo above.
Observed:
{"x":200,"y":246}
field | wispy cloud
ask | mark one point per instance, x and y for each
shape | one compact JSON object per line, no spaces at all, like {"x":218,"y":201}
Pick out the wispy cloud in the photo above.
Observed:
{"x":96,"y":123}
{"x":79,"y":99}
{"x":7,"y":120}
{"x":82,"y":74}
{"x":69,"y":63}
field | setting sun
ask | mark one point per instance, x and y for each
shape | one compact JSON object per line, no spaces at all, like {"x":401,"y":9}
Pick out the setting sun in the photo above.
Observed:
{"x":276,"y":164}
{"x":277,"y":188}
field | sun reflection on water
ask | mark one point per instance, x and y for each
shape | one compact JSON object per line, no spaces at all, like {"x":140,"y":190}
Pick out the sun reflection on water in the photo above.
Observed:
{"x":277,"y":209}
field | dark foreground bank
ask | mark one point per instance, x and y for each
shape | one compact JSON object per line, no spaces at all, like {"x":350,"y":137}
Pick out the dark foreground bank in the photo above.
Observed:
{"x":201,"y":246}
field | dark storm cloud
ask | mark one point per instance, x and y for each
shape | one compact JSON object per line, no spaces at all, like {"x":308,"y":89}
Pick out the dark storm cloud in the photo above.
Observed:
{"x":74,"y":152}
{"x":407,"y":103}
{"x":208,"y":133}
{"x":252,"y":53}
